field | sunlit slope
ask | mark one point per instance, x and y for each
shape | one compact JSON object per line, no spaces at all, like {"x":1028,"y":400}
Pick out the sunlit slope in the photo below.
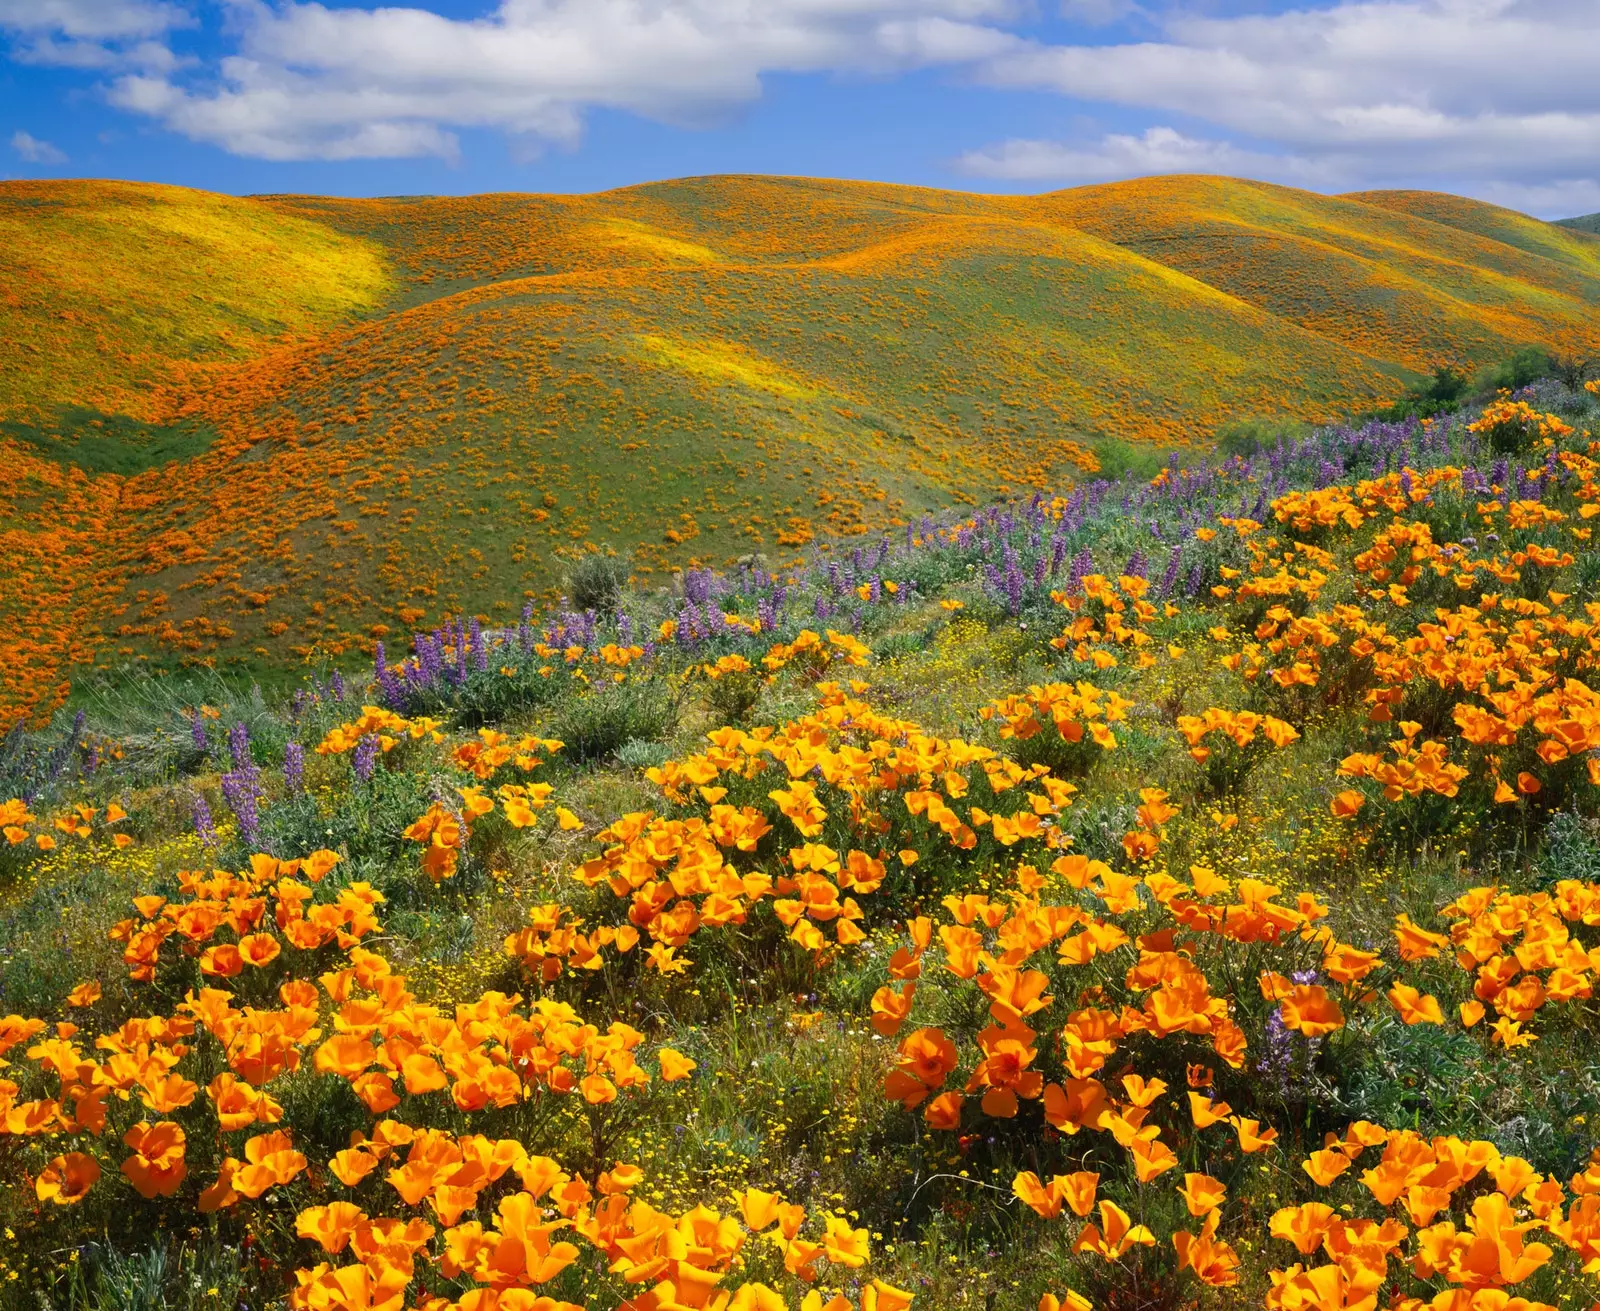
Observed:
{"x":697,"y":412}
{"x":1387,"y":278}
{"x":105,"y":285}
{"x":1578,"y":250}
{"x":397,"y":409}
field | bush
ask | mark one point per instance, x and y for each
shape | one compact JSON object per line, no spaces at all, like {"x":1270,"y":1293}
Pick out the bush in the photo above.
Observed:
{"x":596,"y":581}
{"x":1526,"y":366}
{"x":1444,"y":391}
{"x":599,"y":722}
{"x":1247,"y":438}
{"x":1119,"y":459}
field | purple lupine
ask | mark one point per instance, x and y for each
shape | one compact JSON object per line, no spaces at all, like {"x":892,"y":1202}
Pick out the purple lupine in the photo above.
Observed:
{"x":364,"y":759}
{"x":197,"y":732}
{"x":1196,"y":580}
{"x":240,"y":789}
{"x":336,"y":686}
{"x":1082,"y":567}
{"x":205,"y":829}
{"x":294,"y":768}
{"x":1137,"y":566}
{"x":1169,"y":578}
{"x":239,"y":745}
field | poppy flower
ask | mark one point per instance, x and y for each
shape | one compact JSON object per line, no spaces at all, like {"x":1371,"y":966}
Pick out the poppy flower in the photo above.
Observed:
{"x":1309,"y":1010}
{"x":674,"y":1065}
{"x":1415,"y":1007}
{"x":1347,"y":804}
{"x":67,"y":1180}
{"x":1201,"y":1193}
{"x":944,"y":1111}
{"x":156,"y":1168}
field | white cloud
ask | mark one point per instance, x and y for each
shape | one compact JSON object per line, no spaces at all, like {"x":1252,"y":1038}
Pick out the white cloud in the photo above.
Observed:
{"x":1115,"y":156}
{"x":92,"y":33}
{"x":1474,"y":95}
{"x":1496,"y":98}
{"x":28,"y":147}
{"x":314,"y":82}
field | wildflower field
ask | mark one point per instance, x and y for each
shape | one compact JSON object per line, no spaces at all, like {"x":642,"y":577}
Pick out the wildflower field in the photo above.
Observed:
{"x":1174,"y":891}
{"x":253,"y":433}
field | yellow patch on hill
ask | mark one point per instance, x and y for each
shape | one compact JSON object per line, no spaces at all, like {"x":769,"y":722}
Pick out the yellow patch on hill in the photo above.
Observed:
{"x":642,"y":239}
{"x":724,"y":362}
{"x":104,"y":285}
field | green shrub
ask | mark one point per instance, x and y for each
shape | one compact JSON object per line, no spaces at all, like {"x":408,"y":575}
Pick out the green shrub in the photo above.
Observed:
{"x":1526,"y":366}
{"x":596,"y":581}
{"x":597,"y":723}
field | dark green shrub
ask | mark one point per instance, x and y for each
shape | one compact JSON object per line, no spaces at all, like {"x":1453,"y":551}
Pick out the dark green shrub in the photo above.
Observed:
{"x":596,"y":723}
{"x":1525,"y":366}
{"x":596,"y":581}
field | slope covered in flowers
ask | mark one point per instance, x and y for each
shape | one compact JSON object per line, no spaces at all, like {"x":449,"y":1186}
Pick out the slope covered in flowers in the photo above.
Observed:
{"x":281,"y":429}
{"x":1168,"y":893}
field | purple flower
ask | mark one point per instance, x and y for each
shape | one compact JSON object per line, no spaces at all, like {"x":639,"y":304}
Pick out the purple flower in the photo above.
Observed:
{"x":294,"y":768}
{"x":204,"y":828}
{"x":364,"y":759}
{"x":239,"y":745}
{"x":1169,"y":579}
{"x":1082,"y":566}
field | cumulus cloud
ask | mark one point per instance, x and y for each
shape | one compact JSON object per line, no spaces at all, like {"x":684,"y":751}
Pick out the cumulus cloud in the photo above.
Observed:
{"x":1496,"y":98}
{"x":1478,"y":95}
{"x":33,"y":151}
{"x":92,"y":33}
{"x":314,"y":82}
{"x":1118,"y":155}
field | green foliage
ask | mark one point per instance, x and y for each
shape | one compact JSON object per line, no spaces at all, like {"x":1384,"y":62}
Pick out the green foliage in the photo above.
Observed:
{"x":596,"y":723}
{"x":1120,"y":459}
{"x":1447,"y":388}
{"x":1249,"y":437}
{"x":597,"y":580}
{"x":98,"y":442}
{"x":1516,"y":371}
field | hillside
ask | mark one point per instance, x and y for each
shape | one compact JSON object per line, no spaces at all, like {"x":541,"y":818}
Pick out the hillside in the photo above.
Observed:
{"x":385,"y":411}
{"x":1586,"y":223}
{"x":1171,"y":894}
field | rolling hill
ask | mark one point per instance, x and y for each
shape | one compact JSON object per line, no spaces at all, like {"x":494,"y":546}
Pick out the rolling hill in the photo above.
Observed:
{"x":1585,"y":223}
{"x":275,"y":428}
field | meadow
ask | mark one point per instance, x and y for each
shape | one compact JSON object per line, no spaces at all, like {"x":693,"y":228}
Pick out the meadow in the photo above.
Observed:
{"x":1176,"y":891}
{"x":267,"y":433}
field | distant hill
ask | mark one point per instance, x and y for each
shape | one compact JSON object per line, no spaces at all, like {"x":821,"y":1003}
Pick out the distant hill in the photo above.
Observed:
{"x":263,"y":429}
{"x":1587,"y":223}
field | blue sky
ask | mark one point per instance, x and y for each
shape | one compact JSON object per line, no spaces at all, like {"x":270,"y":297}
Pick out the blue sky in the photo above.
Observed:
{"x":1492,"y":98}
